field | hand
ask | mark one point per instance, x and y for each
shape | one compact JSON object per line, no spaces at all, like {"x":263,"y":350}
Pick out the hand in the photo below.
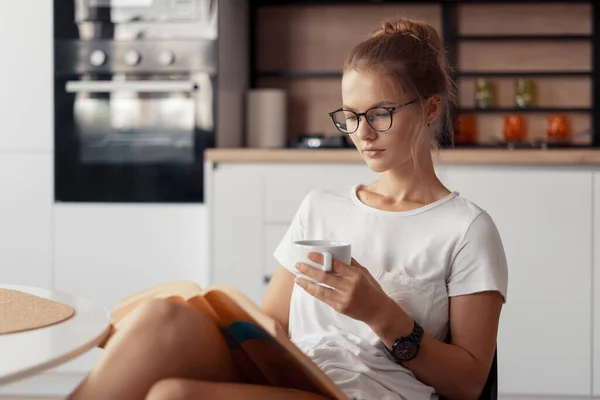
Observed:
{"x":355,"y":292}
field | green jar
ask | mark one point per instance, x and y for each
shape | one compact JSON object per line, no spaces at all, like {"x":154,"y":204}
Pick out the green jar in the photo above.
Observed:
{"x":484,"y":94}
{"x":524,"y":93}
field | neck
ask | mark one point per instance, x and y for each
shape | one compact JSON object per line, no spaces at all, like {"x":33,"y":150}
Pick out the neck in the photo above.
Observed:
{"x":412,"y":181}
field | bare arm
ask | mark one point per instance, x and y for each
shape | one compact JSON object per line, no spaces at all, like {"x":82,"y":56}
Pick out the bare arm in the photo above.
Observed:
{"x":457,"y":370}
{"x":276,"y":302}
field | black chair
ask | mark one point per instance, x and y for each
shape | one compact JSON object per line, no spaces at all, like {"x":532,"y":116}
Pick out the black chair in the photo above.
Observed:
{"x":490,"y":390}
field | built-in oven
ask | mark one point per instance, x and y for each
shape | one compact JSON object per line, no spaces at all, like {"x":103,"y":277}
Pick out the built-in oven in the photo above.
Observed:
{"x":136,"y":90}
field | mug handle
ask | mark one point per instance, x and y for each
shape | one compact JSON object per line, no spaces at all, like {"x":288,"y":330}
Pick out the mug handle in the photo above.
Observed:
{"x":327,"y":260}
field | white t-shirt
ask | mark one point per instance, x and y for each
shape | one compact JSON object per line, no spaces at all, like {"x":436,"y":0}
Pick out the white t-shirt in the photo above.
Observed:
{"x":420,"y":257}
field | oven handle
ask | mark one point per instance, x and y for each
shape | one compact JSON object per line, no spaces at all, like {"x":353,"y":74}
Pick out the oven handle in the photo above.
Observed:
{"x":130,"y":86}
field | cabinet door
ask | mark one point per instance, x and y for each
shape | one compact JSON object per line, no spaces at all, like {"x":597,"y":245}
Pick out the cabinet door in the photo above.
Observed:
{"x":26,"y":219}
{"x":273,"y":235}
{"x":26,"y":76}
{"x":235,"y":201}
{"x":286,"y":186}
{"x":107,"y":252}
{"x":545,"y":219}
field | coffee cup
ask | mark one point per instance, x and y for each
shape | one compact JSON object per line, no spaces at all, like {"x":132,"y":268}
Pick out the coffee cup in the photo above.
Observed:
{"x":329,"y":249}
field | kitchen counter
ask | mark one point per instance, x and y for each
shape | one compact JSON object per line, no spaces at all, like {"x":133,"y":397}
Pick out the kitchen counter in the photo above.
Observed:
{"x":447,"y":156}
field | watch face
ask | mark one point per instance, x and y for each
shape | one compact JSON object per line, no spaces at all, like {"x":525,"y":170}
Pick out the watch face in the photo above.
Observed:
{"x":405,"y":351}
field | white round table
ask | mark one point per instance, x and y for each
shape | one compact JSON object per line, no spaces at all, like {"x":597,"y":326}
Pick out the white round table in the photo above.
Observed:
{"x":27,"y":353}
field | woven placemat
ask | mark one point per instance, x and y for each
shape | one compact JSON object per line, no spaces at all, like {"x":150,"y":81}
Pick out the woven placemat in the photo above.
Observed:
{"x":21,"y":311}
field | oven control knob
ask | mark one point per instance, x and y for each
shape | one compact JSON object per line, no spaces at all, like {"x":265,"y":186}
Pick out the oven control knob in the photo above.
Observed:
{"x":132,"y":58}
{"x":166,"y":58}
{"x":97,"y":58}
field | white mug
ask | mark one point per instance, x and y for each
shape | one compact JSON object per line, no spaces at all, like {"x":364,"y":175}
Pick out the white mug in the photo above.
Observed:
{"x":329,"y":249}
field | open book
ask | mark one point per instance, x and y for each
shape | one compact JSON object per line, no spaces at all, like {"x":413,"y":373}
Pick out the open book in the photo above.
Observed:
{"x":263,"y":350}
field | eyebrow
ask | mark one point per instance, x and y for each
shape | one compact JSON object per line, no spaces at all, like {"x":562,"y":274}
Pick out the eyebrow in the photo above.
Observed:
{"x":379,"y":104}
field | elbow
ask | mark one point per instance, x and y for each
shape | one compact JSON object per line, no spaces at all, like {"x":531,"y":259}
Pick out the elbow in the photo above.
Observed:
{"x":473,"y":388}
{"x":470,"y":389}
{"x":464,"y":394}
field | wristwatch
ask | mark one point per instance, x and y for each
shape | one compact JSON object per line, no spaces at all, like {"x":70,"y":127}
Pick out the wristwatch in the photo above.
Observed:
{"x":407,"y":348}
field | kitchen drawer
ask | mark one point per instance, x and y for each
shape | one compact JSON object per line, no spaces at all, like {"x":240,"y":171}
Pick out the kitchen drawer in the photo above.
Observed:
{"x":286,"y":187}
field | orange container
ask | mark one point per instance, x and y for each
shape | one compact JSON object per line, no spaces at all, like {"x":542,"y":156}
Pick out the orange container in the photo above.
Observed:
{"x":515,"y":129}
{"x":558,"y":128}
{"x":465,"y":129}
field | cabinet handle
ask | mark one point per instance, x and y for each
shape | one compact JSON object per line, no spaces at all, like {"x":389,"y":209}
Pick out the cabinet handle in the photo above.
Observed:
{"x":134,"y":86}
{"x":267,"y":278}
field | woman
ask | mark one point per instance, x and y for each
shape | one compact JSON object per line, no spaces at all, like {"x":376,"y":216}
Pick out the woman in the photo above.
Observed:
{"x":416,"y":318}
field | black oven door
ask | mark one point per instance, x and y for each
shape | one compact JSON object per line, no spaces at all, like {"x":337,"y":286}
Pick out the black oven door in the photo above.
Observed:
{"x":130,"y":140}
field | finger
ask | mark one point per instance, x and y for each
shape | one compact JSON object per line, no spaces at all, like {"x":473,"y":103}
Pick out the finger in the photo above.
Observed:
{"x":316,"y":257}
{"x":326,"y":295}
{"x":337,"y":266}
{"x":321,"y":276}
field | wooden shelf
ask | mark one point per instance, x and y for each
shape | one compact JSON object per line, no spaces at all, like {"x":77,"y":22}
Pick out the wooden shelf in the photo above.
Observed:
{"x":481,"y":156}
{"x":300,"y":75}
{"x":478,"y":74}
{"x":522,"y":37}
{"x":516,"y":110}
{"x":466,"y":74}
{"x":377,"y":2}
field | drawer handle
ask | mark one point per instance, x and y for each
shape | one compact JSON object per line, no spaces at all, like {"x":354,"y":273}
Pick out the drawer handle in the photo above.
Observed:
{"x":267,"y":278}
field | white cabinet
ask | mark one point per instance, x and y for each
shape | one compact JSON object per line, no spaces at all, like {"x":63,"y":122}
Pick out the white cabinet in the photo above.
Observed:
{"x":26,"y":219}
{"x":26,"y":77}
{"x":235,"y":199}
{"x":544,"y":215}
{"x":545,"y":219}
{"x":596,"y":283}
{"x":107,"y":252}
{"x":286,"y":185}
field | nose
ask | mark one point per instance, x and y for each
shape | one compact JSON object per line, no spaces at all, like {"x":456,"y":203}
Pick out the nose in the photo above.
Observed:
{"x":364,"y":131}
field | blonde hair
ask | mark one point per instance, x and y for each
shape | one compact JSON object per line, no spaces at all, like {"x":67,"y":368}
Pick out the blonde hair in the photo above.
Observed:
{"x":411,"y":55}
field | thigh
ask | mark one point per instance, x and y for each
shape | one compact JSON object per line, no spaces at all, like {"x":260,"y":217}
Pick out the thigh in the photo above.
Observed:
{"x":182,"y":339}
{"x":161,"y":339}
{"x":180,"y":389}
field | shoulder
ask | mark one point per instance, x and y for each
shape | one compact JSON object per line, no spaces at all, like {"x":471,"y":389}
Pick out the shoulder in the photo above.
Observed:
{"x":464,"y":214}
{"x":325,"y":197}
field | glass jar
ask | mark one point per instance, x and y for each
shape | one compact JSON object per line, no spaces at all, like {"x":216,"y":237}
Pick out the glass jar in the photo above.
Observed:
{"x":524,"y":93}
{"x":484,"y":94}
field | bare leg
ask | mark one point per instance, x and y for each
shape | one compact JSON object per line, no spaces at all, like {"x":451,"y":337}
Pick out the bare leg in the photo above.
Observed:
{"x":162,"y":339}
{"x":181,"y":389}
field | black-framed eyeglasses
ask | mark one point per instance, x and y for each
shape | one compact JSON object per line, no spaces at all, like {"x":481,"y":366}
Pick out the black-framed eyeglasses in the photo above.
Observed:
{"x":379,"y":118}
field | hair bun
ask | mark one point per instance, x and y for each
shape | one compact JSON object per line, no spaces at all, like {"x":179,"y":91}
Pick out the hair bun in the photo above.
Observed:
{"x":419,"y":30}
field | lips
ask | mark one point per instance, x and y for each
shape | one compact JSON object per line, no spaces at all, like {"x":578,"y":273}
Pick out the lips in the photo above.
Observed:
{"x":373,"y":153}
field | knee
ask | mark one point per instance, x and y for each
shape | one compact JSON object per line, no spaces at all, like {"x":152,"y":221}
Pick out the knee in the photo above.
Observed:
{"x":164,"y":320}
{"x":159,"y":312}
{"x":170,"y":389}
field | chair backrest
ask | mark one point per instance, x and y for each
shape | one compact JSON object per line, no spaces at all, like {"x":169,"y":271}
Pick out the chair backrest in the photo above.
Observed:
{"x":490,"y":390}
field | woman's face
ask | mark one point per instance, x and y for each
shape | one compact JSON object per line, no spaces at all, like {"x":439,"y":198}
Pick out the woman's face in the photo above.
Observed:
{"x":382,"y":151}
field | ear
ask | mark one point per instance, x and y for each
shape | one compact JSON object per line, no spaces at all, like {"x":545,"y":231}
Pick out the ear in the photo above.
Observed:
{"x":433,"y":107}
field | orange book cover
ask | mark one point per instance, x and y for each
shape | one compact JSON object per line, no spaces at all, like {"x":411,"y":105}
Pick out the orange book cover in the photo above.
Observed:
{"x":263,"y":350}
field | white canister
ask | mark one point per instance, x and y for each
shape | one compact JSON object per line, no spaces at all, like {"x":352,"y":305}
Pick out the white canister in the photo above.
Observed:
{"x":266,"y":119}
